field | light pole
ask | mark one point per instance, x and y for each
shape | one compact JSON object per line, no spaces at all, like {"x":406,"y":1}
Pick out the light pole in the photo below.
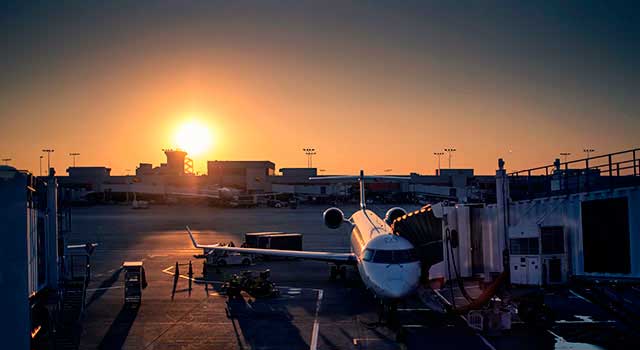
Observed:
{"x":310,"y":152}
{"x":438,"y":154}
{"x":6,"y":160}
{"x":450,"y":151}
{"x":565,"y":155}
{"x":48,"y":151}
{"x":40,"y":173}
{"x":588,"y":151}
{"x":73,"y":155}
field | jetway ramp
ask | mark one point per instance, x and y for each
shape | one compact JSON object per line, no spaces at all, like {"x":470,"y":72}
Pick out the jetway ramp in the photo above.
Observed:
{"x":424,"y":230}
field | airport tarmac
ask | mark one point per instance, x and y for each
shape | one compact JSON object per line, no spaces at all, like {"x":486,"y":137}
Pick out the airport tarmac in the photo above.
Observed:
{"x":310,"y":313}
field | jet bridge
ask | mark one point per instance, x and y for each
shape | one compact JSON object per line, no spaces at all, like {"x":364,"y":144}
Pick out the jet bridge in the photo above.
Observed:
{"x":424,"y":230}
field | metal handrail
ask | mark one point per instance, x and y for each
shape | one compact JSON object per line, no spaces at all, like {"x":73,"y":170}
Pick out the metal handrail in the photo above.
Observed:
{"x":565,"y":165}
{"x":594,"y":173}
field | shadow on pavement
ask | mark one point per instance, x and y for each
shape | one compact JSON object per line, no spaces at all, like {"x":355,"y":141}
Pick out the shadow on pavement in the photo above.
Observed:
{"x":266,"y":324}
{"x":103,"y":287}
{"x":119,"y":329}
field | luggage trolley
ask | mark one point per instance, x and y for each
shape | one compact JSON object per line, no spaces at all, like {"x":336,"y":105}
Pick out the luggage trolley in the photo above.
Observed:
{"x":134,"y":281}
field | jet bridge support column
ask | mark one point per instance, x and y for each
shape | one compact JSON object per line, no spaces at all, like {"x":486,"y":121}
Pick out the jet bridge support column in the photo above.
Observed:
{"x":502,"y":196}
{"x":53,"y":265}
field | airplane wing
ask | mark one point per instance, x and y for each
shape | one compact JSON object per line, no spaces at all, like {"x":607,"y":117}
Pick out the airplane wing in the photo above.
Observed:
{"x":198,"y":195}
{"x":342,"y":258}
{"x":353,"y":178}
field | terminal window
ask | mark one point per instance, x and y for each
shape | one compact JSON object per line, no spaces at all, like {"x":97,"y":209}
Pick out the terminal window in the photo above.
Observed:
{"x":552,"y":238}
{"x":524,"y":246}
{"x":605,"y":236}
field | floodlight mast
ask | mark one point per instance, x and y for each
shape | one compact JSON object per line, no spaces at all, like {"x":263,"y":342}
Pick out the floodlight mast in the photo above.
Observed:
{"x":439,"y":154}
{"x":73,"y":156}
{"x":450,"y":151}
{"x":310,"y":152}
{"x":48,"y":152}
{"x":588,"y":151}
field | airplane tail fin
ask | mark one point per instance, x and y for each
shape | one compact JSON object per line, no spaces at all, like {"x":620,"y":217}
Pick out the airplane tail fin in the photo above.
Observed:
{"x":360,"y":179}
{"x":363,"y":202}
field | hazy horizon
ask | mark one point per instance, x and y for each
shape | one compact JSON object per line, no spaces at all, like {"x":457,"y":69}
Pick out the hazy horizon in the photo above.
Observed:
{"x":374,"y":85}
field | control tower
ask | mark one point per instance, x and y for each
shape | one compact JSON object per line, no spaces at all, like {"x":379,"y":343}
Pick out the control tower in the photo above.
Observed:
{"x":175,"y":161}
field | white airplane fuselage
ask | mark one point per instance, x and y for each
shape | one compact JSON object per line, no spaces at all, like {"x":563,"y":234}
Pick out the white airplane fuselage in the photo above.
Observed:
{"x":386,"y":262}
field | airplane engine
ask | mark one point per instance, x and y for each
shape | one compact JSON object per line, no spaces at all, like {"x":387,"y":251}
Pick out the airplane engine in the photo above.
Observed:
{"x":333,"y":218}
{"x":393,"y":214}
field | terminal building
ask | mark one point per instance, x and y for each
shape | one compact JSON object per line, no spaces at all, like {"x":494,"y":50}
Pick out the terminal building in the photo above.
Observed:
{"x":456,"y":185}
{"x":250,"y":176}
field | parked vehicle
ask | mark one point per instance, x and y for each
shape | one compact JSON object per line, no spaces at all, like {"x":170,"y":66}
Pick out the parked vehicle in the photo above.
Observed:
{"x":217,"y":258}
{"x":284,"y":241}
{"x":245,"y":201}
{"x":255,"y":283}
{"x":274,"y":203}
{"x":251,"y":238}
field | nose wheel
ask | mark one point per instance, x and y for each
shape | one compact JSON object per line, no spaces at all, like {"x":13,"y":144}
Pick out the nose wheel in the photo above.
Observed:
{"x":388,"y":311}
{"x":338,"y":272}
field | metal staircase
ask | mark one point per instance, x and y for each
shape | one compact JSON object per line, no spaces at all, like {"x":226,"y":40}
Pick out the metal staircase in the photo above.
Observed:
{"x":71,"y":307}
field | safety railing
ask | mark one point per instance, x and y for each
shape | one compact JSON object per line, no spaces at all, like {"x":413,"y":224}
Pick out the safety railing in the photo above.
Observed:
{"x":609,"y":171}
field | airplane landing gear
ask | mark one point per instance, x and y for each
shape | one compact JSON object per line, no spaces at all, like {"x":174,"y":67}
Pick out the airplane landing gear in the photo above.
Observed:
{"x":388,"y":312}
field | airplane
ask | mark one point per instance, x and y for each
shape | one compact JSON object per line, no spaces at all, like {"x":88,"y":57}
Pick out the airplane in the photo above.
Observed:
{"x":387,"y":263}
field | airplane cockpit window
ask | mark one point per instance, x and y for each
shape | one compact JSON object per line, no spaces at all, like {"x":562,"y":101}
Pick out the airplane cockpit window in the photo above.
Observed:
{"x":368,"y":254}
{"x":383,"y":257}
{"x":404,"y":256}
{"x":390,"y":256}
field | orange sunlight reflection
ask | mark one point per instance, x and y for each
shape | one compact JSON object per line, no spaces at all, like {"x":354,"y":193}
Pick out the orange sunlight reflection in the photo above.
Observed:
{"x":194,"y":137}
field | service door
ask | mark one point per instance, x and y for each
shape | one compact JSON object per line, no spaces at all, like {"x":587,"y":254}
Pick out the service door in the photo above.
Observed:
{"x":534,"y":273}
{"x":518,"y":269}
{"x":477,"y":256}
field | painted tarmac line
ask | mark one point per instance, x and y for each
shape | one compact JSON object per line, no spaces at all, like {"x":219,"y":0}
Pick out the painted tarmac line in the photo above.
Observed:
{"x":486,"y":342}
{"x":579,"y":296}
{"x":316,"y":324}
{"x":169,"y":272}
{"x":583,"y":322}
{"x":442,"y":297}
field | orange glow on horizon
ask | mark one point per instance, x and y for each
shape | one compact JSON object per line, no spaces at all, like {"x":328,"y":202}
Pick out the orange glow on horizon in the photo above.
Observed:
{"x":194,"y":137}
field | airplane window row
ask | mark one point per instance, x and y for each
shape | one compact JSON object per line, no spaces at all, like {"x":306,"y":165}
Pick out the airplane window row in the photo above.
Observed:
{"x":390,"y":256}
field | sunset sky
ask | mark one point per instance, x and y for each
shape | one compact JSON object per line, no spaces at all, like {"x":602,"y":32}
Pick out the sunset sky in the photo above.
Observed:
{"x":370,"y":84}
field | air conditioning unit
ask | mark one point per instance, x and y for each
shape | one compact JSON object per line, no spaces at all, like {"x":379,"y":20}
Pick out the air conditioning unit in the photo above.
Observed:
{"x":525,"y":269}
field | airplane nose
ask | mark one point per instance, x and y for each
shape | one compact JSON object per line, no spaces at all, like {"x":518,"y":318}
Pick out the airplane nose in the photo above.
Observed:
{"x":396,"y":288}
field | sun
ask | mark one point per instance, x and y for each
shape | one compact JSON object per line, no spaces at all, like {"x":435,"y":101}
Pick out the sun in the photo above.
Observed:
{"x":193,"y":137}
